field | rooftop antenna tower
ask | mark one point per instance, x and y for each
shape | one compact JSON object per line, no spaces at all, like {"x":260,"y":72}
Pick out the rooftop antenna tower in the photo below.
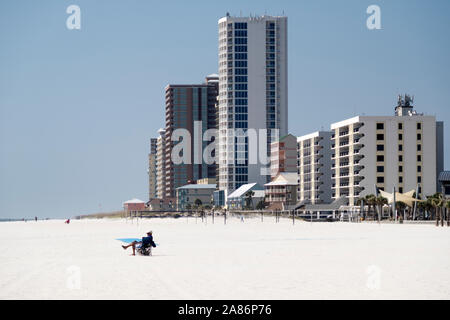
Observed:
{"x":404,"y":105}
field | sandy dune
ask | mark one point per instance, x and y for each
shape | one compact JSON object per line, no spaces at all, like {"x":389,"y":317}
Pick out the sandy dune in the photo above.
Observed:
{"x":250,"y":260}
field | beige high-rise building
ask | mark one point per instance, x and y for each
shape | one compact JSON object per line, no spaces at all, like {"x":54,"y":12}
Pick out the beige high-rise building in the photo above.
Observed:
{"x":388,"y":152}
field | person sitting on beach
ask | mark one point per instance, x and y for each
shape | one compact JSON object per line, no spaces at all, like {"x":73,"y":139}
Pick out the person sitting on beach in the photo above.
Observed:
{"x":146,"y":242}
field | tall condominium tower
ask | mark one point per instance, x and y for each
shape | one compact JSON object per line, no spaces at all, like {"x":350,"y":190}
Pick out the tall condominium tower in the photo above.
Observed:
{"x":253,"y":92}
{"x":152,"y":169}
{"x":188,"y":107}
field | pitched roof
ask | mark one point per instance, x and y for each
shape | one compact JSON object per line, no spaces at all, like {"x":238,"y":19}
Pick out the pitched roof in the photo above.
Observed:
{"x":133,"y":201}
{"x":259,"y":194}
{"x":244,"y":189}
{"x":335,"y":205}
{"x":444,"y":176}
{"x":284,"y":179}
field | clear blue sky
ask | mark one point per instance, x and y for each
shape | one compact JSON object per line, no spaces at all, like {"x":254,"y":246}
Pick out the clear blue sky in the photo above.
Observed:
{"x":78,"y":107}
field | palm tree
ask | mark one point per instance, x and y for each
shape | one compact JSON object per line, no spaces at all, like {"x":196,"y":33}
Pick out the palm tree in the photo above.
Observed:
{"x":198,"y":204}
{"x":260,"y":205}
{"x":447,"y":209}
{"x":249,"y":199}
{"x":380,"y":202}
{"x":360,"y":202}
{"x":370,"y":199}
{"x":421,"y":208}
{"x":437,"y":201}
{"x":427,"y":206}
{"x":400,"y":206}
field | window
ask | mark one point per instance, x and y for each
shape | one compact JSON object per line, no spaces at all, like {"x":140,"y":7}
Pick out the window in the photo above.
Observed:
{"x":400,"y":179}
{"x":240,"y":79}
{"x":419,"y":136}
{"x":400,"y":190}
{"x":380,"y":147}
{"x":380,"y":169}
{"x":380,"y":137}
{"x":240,"y":86}
{"x":400,"y":158}
{"x":380,"y":126}
{"x":419,"y":158}
{"x":419,"y":179}
{"x":380,"y":158}
{"x":240,"y":33}
{"x":240,"y":25}
{"x":400,"y":136}
{"x":400,"y":169}
{"x":380,"y":179}
{"x":419,"y":168}
{"x":419,"y":147}
{"x":400,"y":147}
{"x":241,"y":102}
{"x":240,"y":64}
{"x":419,"y":126}
{"x":241,"y":117}
{"x":400,"y":126}
{"x":240,"y":41}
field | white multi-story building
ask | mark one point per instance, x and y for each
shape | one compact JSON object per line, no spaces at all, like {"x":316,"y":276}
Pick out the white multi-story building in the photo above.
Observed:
{"x":161,"y":164}
{"x":252,"y":93}
{"x":152,"y":175}
{"x":398,"y":151}
{"x":314,"y":168}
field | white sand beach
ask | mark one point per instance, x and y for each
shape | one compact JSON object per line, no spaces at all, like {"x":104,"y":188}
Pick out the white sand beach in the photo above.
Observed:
{"x":250,"y":260}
